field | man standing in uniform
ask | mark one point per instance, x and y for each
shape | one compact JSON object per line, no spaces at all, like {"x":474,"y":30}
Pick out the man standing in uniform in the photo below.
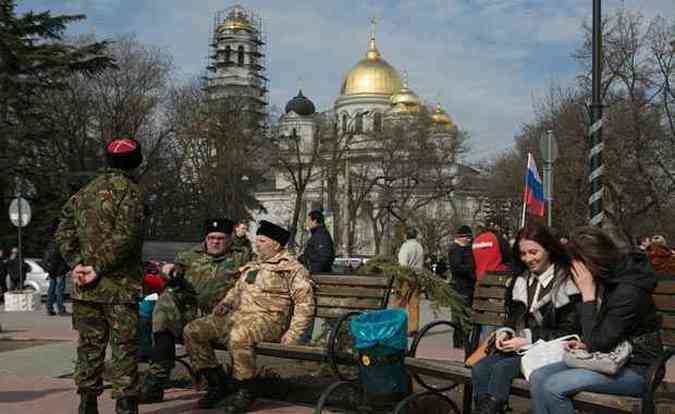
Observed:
{"x":100,"y":236}
{"x":205,"y":276}
{"x":319,"y":252}
{"x":270,"y":292}
{"x":460,"y":260}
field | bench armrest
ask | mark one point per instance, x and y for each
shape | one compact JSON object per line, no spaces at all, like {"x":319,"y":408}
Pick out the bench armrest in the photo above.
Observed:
{"x":426,"y":328}
{"x":657,"y":370}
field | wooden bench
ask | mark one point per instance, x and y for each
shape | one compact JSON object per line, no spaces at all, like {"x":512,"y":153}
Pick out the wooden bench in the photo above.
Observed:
{"x":488,"y":309}
{"x":338,"y":297}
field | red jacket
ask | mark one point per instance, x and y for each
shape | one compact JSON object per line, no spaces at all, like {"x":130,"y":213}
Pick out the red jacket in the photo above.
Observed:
{"x":487,"y":254}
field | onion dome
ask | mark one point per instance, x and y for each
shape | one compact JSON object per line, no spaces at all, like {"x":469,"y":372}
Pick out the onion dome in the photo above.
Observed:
{"x":236,"y":20}
{"x":300,"y":105}
{"x":371,"y":75}
{"x":440,"y":118}
{"x":405,"y":100}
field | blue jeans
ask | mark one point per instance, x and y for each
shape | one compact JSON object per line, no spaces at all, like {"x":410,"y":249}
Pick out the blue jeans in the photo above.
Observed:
{"x":57,"y":288}
{"x":552,"y":386}
{"x":493,"y":375}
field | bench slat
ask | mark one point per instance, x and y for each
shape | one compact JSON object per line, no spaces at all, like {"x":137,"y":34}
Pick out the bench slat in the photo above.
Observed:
{"x":489,"y":292}
{"x":489,"y":318}
{"x":349,"y":303}
{"x":668,"y":322}
{"x":332,"y":313}
{"x":350,"y":291}
{"x":495,"y":279}
{"x":665,"y":302}
{"x":489,"y":305}
{"x":351,"y":280}
{"x":665,"y":287}
{"x":668,"y":337}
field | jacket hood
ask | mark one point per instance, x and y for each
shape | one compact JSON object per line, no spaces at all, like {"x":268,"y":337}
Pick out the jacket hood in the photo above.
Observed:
{"x":634,"y":270}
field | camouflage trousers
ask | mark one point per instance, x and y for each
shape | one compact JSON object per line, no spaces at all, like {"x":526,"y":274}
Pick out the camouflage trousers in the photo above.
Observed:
{"x":168,"y":316}
{"x":100,"y":323}
{"x":238,"y":333}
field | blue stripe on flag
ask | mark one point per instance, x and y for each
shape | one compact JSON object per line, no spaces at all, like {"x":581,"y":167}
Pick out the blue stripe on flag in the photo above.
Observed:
{"x":536,"y":185}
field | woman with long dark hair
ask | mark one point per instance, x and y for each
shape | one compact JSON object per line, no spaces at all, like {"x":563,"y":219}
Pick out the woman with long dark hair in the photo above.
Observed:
{"x":616,"y":290}
{"x":541,"y":303}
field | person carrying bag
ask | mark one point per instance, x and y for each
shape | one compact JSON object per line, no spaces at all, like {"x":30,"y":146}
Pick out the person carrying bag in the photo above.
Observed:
{"x":620,"y":327}
{"x":541,"y":304}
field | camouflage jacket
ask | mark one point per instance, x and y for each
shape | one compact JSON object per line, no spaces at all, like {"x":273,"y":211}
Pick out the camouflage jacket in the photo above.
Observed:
{"x":208,"y":277}
{"x":102,"y":226}
{"x":279,"y":287}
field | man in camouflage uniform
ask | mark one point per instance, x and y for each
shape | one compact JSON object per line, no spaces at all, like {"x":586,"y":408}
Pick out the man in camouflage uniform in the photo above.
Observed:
{"x":208,"y":271}
{"x":100,"y":235}
{"x":273,"y":300}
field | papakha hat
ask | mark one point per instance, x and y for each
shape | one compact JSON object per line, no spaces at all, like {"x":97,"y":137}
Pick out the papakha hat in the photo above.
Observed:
{"x":218,"y":225}
{"x":274,"y":232}
{"x":124,"y":154}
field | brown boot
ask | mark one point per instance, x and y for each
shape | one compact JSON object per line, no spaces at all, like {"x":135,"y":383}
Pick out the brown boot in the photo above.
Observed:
{"x":217,"y":388}
{"x":242,"y":399}
{"x":88,"y":404}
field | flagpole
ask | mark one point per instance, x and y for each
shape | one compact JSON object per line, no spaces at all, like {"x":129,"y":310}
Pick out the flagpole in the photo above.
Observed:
{"x":522,"y":219}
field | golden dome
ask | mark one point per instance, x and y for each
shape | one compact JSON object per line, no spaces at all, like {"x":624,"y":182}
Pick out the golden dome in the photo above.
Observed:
{"x":405,"y":99}
{"x":441,"y":118}
{"x":236,"y":20}
{"x":371,"y":75}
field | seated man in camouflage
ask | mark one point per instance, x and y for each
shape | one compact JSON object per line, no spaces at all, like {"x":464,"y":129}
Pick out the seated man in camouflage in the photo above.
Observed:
{"x":198,"y":278}
{"x":272,"y":301}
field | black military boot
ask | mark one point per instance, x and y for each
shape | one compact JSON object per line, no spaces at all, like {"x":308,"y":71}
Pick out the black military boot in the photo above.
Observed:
{"x":126,"y":405}
{"x":242,"y":399}
{"x":487,"y":404}
{"x":88,"y":404}
{"x":217,"y":388}
{"x":163,"y":357}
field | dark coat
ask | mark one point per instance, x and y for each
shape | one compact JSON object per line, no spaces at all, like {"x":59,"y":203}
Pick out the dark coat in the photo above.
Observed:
{"x":12,"y":267}
{"x":460,"y":262}
{"x":558,"y":315}
{"x":626,"y":311}
{"x":319,"y":251}
{"x":53,"y":262}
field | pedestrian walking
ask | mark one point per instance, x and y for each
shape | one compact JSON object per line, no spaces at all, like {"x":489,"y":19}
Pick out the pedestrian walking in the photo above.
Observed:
{"x":319,"y":252}
{"x":460,"y":261}
{"x":57,"y":268}
{"x":16,"y":273}
{"x":410,"y":255}
{"x":100,"y":235}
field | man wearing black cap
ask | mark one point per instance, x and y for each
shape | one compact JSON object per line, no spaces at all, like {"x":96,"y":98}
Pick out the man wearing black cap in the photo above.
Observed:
{"x":460,"y":260}
{"x":319,"y":252}
{"x":273,"y":300}
{"x":100,"y":236}
{"x":200,"y":277}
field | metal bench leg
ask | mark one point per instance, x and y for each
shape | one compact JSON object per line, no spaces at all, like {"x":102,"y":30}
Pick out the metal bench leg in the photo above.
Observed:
{"x":402,"y":406}
{"x":334,"y":386}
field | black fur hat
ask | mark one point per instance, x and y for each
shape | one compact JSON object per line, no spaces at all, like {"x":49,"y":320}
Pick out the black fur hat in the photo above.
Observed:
{"x":274,"y":232}
{"x":218,"y":225}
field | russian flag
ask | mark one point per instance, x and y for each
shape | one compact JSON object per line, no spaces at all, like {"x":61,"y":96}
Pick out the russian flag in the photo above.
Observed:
{"x":534,"y":189}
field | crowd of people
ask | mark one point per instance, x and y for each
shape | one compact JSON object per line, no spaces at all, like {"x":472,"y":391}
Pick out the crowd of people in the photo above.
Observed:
{"x":221,"y":292}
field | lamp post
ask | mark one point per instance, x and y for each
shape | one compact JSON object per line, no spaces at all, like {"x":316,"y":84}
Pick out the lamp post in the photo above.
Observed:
{"x":345,"y":229}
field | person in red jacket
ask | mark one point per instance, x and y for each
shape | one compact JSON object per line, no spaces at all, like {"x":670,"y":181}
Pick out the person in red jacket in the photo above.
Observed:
{"x":491,"y":252}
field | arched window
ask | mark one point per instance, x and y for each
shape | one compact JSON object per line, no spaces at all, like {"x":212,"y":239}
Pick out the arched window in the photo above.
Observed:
{"x":295,"y":133}
{"x":344,"y":123}
{"x":240,"y":55}
{"x":228,"y":54}
{"x":358,"y":123}
{"x":377,"y":122}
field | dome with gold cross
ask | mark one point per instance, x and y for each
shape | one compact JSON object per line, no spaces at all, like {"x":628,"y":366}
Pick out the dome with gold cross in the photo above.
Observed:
{"x":371,"y":75}
{"x":405,"y":100}
{"x":441,"y":118}
{"x":236,"y":20}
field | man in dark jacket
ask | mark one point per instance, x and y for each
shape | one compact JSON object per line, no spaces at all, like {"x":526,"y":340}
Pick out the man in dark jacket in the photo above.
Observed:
{"x":16,"y":275}
{"x":57,"y":268}
{"x":319,"y":251}
{"x":460,"y":261}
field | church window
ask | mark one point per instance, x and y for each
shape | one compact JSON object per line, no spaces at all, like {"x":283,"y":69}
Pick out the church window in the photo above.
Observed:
{"x":377,"y":122}
{"x":228,"y":54}
{"x":240,"y":55}
{"x":358,"y":124}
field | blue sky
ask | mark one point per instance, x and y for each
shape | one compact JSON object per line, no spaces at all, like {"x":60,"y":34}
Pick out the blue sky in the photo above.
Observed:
{"x":486,"y":61}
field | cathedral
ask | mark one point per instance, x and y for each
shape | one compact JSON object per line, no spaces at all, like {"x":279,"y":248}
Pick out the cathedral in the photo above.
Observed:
{"x":373,"y":96}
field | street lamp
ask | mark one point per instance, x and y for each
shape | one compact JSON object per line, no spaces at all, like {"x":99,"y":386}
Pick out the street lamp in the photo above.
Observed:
{"x":345,"y":229}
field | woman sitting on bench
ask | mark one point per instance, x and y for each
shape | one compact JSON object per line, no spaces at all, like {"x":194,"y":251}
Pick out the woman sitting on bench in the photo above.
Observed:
{"x":617,"y":306}
{"x":541,"y":303}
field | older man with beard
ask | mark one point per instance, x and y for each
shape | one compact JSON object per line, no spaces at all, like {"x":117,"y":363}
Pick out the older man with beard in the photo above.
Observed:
{"x":201,"y":277}
{"x":273,"y":300}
